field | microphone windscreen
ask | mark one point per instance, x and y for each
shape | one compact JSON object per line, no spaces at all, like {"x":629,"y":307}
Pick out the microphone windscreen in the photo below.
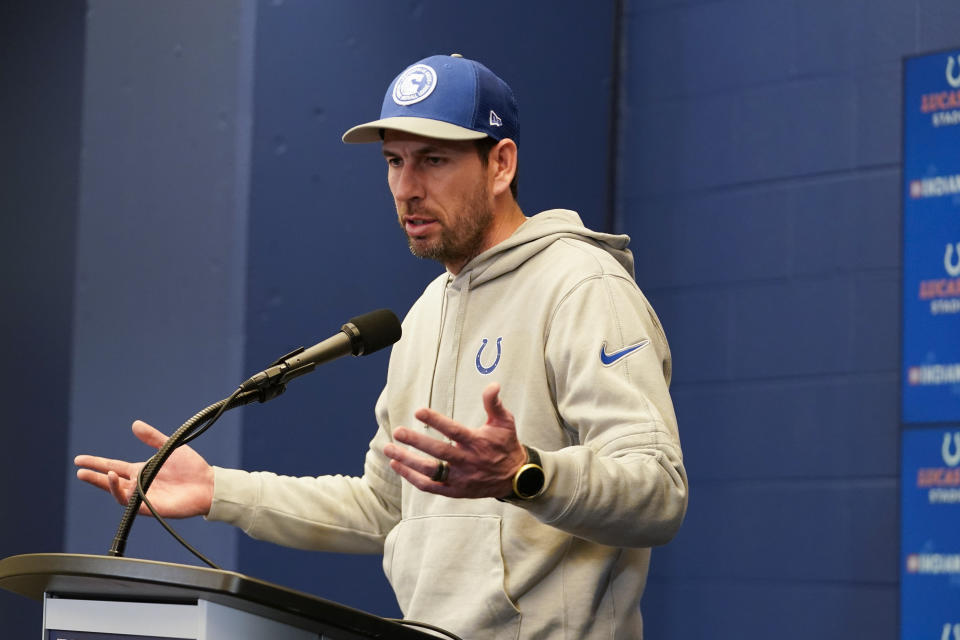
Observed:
{"x":377,"y":329}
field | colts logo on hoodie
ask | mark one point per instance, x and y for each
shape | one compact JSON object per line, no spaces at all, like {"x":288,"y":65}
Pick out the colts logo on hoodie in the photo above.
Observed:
{"x":481,"y":358}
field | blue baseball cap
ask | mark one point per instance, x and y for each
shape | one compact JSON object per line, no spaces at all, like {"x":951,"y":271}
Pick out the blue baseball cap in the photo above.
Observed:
{"x":448,"y":98}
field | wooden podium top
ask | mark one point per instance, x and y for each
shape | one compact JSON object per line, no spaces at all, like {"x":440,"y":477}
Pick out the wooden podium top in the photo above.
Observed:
{"x":94,"y":577}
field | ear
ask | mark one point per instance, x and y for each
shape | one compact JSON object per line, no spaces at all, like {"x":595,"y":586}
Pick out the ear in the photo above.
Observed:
{"x":502,"y":164}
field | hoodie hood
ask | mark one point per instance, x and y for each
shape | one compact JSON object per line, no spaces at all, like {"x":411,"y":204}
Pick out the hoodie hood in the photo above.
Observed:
{"x":533,"y":236}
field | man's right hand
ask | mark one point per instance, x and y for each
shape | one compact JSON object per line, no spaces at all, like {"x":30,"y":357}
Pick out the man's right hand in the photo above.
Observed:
{"x":183,"y":488}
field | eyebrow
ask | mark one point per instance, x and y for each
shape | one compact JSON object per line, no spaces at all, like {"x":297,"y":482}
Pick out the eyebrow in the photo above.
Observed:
{"x":422,"y":151}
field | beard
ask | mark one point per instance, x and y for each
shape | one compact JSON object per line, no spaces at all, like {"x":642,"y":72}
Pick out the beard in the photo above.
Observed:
{"x":462,"y":237}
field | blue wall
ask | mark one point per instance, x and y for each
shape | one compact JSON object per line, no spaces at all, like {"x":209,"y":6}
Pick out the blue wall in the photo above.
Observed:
{"x":762,"y":191}
{"x":41,"y":54}
{"x":757,"y":171}
{"x":161,"y":246}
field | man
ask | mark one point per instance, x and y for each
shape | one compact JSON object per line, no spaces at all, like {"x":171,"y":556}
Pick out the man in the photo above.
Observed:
{"x":529,"y":522}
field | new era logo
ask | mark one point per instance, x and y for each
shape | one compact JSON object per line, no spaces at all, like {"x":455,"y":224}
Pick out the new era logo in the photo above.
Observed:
{"x":495,"y":120}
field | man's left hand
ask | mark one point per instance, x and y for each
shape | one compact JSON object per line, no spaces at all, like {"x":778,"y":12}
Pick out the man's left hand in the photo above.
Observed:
{"x":482,"y":461}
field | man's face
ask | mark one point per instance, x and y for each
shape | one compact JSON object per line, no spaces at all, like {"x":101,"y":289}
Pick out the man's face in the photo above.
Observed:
{"x":440,"y":191}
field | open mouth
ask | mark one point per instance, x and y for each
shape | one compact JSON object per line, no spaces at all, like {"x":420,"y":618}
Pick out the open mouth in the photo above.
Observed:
{"x":418,"y":226}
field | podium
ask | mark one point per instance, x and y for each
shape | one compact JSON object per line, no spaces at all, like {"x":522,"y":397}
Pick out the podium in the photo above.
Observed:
{"x":89,"y":597}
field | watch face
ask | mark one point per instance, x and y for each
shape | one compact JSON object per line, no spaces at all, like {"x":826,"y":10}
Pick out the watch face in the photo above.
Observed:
{"x":530,"y":481}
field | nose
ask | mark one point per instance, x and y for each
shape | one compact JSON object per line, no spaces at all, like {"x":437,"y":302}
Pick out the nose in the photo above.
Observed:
{"x":406,"y":184}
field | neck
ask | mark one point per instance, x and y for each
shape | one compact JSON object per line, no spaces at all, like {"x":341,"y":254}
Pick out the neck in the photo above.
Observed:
{"x":507,"y":218}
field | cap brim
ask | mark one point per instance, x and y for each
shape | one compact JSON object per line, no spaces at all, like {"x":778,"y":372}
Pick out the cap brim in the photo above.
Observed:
{"x":370,"y":131}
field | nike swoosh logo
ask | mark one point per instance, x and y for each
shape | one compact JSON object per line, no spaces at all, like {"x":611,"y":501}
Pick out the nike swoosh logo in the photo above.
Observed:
{"x":610,"y":358}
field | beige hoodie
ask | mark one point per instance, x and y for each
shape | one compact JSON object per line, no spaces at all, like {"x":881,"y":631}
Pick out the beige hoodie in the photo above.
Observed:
{"x":554,"y":316}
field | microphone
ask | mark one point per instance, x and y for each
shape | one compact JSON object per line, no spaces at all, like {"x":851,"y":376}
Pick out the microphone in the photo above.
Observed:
{"x":360,"y":336}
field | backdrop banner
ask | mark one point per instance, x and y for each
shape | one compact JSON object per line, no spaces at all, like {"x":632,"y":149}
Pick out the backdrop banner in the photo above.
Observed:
{"x":931,"y":239}
{"x":930,"y":357}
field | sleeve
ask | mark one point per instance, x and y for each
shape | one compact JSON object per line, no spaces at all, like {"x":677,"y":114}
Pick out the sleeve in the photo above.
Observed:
{"x":623,"y":483}
{"x":326,"y":513}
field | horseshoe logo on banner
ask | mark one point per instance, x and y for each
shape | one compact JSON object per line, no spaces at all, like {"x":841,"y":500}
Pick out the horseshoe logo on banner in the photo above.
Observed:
{"x":952,"y":268}
{"x":954,"y":80}
{"x":951,"y":459}
{"x":946,"y":631}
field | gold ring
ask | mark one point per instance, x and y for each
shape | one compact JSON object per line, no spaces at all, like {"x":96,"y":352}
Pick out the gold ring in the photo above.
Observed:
{"x":443,"y":470}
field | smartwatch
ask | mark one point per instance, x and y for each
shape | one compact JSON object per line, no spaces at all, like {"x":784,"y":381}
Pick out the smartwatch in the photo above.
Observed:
{"x":529,"y":480}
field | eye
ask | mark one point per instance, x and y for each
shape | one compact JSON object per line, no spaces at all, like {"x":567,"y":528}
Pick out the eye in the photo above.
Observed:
{"x":393,"y":161}
{"x":435,"y":161}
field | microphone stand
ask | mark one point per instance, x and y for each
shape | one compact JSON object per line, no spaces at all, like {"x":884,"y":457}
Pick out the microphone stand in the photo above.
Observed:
{"x":360,"y":335}
{"x":261,"y":388}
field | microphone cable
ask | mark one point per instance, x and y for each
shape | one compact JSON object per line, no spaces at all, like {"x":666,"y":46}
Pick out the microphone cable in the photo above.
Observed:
{"x":415,"y":623}
{"x":186,"y":437}
{"x":201,"y":420}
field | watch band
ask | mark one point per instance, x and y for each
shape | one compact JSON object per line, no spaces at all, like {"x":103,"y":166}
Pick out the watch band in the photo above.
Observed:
{"x":529,"y":480}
